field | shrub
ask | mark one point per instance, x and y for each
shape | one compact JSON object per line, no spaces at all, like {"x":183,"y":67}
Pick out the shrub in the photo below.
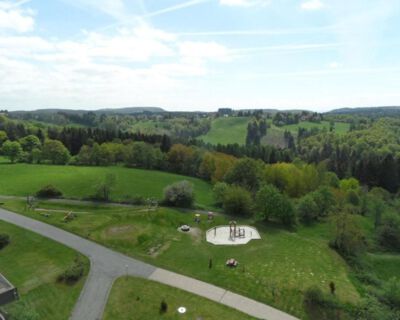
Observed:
{"x":237,"y":201}
{"x":219,"y":191}
{"x":179,"y":194}
{"x":49,"y":191}
{"x":163,"y":307}
{"x":314,"y":296}
{"x":307,"y":209}
{"x":143,"y":238}
{"x":391,"y":293}
{"x":73,"y":273}
{"x":389,"y":232}
{"x":4,"y":240}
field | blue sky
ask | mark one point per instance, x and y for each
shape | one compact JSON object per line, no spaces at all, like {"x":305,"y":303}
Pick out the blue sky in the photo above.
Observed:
{"x":199,"y":54}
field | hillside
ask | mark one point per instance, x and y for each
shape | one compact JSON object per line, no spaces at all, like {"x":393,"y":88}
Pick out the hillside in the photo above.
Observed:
{"x":81,"y":182}
{"x":227,"y":131}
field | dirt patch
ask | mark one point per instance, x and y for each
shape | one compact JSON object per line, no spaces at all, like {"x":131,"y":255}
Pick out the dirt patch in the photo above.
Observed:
{"x":194,"y":232}
{"x":120,"y":232}
{"x":158,"y":249}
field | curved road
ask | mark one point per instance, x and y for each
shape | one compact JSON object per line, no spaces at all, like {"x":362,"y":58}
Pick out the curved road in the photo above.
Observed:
{"x":107,"y":265}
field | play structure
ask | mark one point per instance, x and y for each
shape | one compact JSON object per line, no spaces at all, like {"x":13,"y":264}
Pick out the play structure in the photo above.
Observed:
{"x":231,"y":234}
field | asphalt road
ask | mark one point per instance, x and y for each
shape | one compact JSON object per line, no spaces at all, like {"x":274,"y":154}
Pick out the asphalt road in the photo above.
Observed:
{"x":107,"y":265}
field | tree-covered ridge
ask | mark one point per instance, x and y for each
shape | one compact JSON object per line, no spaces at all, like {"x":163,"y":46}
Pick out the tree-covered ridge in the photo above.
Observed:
{"x":371,"y":155}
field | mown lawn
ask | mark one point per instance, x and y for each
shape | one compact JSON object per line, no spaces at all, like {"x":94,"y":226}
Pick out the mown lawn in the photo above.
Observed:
{"x":81,"y":182}
{"x":135,"y":298}
{"x":32,"y":263}
{"x":227,"y":131}
{"x":275,"y":270}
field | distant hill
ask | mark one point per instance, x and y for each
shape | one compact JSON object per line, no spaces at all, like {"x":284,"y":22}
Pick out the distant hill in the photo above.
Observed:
{"x":369,"y":111}
{"x":130,"y":110}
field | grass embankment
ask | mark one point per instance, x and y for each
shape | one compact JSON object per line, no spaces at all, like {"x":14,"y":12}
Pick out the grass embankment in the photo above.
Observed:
{"x":32,"y":263}
{"x":134,"y":298}
{"x":275,"y":270}
{"x":81,"y":182}
{"x":227,"y":130}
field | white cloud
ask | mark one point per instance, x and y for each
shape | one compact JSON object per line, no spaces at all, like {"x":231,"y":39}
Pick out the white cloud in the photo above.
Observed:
{"x":14,"y":18}
{"x":115,"y":70}
{"x":312,"y":5}
{"x":244,"y":3}
{"x":203,"y":50}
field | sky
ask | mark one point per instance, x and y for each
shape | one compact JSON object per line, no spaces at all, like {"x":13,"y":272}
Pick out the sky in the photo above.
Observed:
{"x":199,"y":54}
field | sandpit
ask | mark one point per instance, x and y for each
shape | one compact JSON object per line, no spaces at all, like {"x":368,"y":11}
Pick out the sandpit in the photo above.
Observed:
{"x":222,"y":235}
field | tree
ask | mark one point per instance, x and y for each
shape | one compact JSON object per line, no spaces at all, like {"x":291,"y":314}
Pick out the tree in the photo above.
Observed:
{"x":179,"y":194}
{"x":3,"y":137}
{"x":105,"y":187}
{"x":29,"y":143}
{"x":237,"y":201}
{"x":349,"y":239}
{"x":307,"y":209}
{"x":389,"y":232}
{"x":219,"y":192}
{"x":55,"y":152}
{"x":246,"y":173}
{"x":12,"y":150}
{"x":272,"y":204}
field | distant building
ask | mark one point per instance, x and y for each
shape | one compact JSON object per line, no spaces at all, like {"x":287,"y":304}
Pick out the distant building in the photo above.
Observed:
{"x":8,"y":293}
{"x":225,"y":112}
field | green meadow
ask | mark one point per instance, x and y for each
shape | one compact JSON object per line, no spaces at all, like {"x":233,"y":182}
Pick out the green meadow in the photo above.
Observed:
{"x":227,"y":130}
{"x":275,"y":270}
{"x":81,"y":182}
{"x":139,"y":299}
{"x":32,"y":263}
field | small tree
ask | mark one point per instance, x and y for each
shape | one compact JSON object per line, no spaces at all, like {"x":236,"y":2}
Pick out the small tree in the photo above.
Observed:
{"x":55,"y":152}
{"x":179,"y":194}
{"x":307,"y":210}
{"x":219,"y":191}
{"x":348,"y":238}
{"x":105,"y":187}
{"x":12,"y":150}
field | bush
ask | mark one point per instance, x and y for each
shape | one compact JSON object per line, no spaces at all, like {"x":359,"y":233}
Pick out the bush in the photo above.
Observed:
{"x":314,"y":296}
{"x":307,"y":209}
{"x":49,"y":191}
{"x":73,"y":273}
{"x":4,"y":240}
{"x":237,"y":201}
{"x":389,"y":232}
{"x":179,"y":194}
{"x":391,"y":293}
{"x":163,"y":307}
{"x":219,"y":191}
{"x":319,"y":305}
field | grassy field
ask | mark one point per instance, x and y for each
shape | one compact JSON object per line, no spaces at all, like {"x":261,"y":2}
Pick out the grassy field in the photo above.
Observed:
{"x":227,"y":131}
{"x":80,"y":182}
{"x":32,"y":263}
{"x":134,"y":298}
{"x":275,"y":270}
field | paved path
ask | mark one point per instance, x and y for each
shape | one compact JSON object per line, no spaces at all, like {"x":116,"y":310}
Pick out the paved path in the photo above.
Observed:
{"x":107,"y":265}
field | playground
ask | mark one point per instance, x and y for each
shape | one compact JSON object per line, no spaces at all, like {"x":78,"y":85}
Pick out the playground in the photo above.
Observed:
{"x":232,"y":234}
